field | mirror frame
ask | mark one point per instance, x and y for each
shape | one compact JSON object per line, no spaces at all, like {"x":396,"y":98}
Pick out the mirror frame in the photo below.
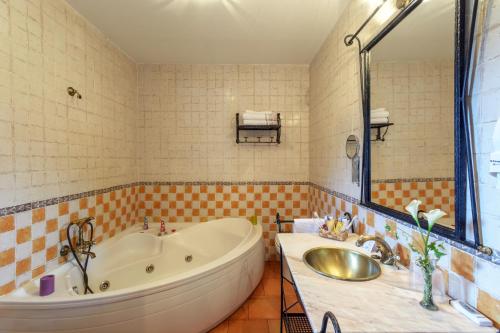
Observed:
{"x":459,"y":233}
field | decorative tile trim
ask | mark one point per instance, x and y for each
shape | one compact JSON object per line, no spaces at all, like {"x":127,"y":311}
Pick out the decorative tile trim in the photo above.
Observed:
{"x":335,"y":193}
{"x":225,"y":183}
{"x":44,"y":203}
{"x":416,"y":180}
{"x":434,"y":194}
{"x":495,"y":258}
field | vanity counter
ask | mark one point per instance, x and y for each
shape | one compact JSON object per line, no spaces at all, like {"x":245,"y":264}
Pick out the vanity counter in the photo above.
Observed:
{"x":385,"y":304}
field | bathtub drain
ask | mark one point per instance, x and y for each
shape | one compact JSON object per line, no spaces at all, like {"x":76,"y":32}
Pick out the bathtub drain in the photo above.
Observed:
{"x":104,"y":285}
{"x":150,"y":268}
{"x":188,"y":258}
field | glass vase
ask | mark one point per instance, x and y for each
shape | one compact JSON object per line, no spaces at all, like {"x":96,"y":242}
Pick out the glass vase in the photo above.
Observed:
{"x":427,"y":301}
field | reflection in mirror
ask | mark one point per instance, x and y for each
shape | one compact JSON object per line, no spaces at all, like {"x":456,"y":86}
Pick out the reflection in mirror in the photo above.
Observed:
{"x":352,"y":152}
{"x":412,"y":112}
{"x":352,"y":146}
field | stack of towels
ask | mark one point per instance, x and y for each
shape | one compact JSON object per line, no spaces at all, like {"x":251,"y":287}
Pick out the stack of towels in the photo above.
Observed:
{"x":379,"y":116}
{"x":250,"y":117}
{"x":311,"y":225}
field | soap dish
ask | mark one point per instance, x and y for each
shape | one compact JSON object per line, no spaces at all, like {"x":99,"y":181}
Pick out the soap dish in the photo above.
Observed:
{"x":341,"y":236}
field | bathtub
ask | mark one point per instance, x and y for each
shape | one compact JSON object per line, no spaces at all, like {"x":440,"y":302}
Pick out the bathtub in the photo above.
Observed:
{"x":202,"y":273}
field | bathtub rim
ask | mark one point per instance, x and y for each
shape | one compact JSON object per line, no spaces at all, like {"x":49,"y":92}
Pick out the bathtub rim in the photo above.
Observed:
{"x":34,"y":302}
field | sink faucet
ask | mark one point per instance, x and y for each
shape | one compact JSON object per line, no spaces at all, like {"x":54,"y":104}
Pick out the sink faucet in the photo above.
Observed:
{"x":387,"y":257}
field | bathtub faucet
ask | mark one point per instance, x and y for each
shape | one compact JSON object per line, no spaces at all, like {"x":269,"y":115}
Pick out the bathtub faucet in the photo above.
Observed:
{"x":83,"y":246}
{"x":84,"y":226}
{"x":163,"y":229}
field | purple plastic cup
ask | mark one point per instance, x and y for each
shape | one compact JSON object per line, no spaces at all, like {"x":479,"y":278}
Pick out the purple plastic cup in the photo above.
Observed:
{"x":47,"y":284}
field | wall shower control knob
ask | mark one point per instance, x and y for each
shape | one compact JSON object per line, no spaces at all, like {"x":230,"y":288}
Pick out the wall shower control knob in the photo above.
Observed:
{"x":64,"y":251}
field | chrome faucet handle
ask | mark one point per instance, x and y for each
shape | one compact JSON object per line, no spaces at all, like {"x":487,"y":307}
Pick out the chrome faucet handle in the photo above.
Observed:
{"x":88,"y":253}
{"x":391,"y":260}
{"x":387,"y":257}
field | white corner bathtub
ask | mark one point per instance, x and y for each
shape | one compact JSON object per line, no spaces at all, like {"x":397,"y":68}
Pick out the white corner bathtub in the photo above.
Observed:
{"x":201,"y":275}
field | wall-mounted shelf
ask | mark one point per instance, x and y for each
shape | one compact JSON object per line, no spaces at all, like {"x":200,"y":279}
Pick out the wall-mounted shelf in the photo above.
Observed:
{"x":268,"y":138}
{"x":378,"y":127}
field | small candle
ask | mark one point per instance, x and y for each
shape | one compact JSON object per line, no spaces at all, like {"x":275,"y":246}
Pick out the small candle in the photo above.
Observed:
{"x":47,"y":284}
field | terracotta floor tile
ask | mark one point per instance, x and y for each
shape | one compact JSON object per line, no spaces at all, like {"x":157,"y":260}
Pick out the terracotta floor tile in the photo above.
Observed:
{"x":259,"y":290}
{"x":241,"y":313}
{"x":297,"y":308}
{"x":221,"y":328}
{"x":272,"y":270}
{"x":267,"y":307}
{"x":248,"y":326}
{"x":274,"y":326}
{"x":272,"y":287}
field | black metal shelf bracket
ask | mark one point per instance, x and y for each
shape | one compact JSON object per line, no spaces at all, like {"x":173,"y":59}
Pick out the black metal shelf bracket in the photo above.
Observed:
{"x":256,"y":139}
{"x":378,"y":127}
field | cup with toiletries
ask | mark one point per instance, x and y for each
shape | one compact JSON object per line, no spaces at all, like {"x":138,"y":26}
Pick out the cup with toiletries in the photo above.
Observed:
{"x":336,"y":228}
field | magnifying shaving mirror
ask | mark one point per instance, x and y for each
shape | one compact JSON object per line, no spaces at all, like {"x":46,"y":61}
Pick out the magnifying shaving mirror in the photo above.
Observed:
{"x":352,"y":151}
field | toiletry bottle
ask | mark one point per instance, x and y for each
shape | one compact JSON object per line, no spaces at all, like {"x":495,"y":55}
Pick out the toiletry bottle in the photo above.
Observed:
{"x":163,"y":230}
{"x":145,"y":226}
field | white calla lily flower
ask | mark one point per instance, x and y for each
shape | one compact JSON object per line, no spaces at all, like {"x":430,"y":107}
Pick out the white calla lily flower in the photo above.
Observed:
{"x":412,"y":208}
{"x":432,"y":217}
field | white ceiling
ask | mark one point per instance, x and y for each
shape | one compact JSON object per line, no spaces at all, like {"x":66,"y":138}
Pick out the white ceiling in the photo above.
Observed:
{"x":215,"y":31}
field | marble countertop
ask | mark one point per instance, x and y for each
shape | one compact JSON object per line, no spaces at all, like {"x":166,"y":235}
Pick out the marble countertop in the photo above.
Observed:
{"x":385,"y":304}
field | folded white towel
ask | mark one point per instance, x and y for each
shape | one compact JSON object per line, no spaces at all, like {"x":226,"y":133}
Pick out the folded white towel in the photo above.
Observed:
{"x":254,"y":116}
{"x":259,"y":122}
{"x":264,"y":115}
{"x":307,"y":225}
{"x":379,"y":120}
{"x":259,"y":117}
{"x":258,"y":112}
{"x":378,"y":114}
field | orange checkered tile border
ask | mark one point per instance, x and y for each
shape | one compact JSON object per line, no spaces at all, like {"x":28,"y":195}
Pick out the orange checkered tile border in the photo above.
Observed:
{"x":433,"y":193}
{"x":32,"y":234}
{"x":30,"y":240}
{"x":204,"y":202}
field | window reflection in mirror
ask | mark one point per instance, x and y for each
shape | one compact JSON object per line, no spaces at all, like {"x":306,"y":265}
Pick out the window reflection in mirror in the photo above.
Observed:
{"x":412,"y":112}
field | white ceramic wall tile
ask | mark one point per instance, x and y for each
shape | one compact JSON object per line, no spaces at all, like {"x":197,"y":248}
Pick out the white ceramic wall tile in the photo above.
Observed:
{"x":420,"y":144}
{"x":336,"y":112}
{"x":187,"y":123}
{"x":52,"y":144}
{"x":486,"y":97}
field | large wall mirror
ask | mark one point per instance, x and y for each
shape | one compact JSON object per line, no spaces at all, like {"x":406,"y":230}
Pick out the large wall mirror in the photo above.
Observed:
{"x":413,"y":72}
{"x":412,"y":112}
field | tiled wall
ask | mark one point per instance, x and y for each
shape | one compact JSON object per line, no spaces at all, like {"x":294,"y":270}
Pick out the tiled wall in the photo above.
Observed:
{"x":398,"y":193}
{"x":486,"y":101}
{"x":200,"y":202}
{"x":50,"y":142}
{"x":30,"y":240}
{"x":54,"y":145}
{"x":462,"y":271}
{"x":187,"y":122}
{"x":419,"y":98}
{"x":335,"y":112}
